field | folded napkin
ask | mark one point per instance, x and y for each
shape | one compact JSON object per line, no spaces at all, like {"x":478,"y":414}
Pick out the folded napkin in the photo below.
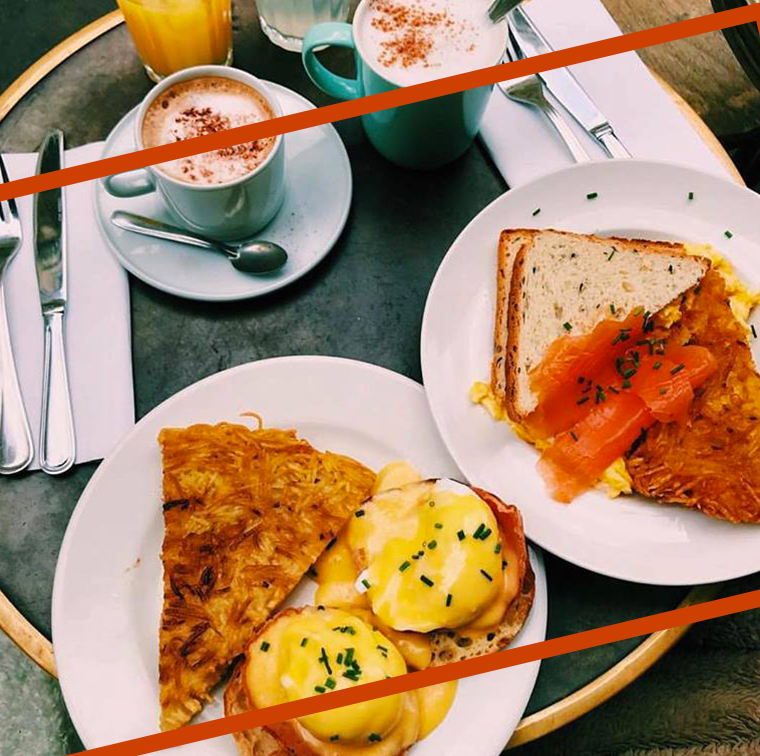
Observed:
{"x":524,"y":145}
{"x":97,"y":320}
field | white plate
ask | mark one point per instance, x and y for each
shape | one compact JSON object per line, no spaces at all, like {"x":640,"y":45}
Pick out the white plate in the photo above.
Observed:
{"x":107,"y":592}
{"x":315,"y":210}
{"x":628,"y":538}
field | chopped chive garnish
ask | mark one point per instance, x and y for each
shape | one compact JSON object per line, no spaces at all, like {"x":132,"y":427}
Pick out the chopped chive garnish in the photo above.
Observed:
{"x":486,"y":576}
{"x":670,"y":269}
{"x":536,"y":211}
{"x":374,"y":737}
{"x":320,"y":689}
{"x":663,"y":391}
{"x":583,"y":400}
{"x":497,"y":548}
{"x":592,"y":195}
{"x":438,"y":526}
{"x":428,"y":582}
{"x":574,"y":436}
{"x":479,"y":530}
{"x":754,"y":331}
{"x":611,"y":255}
{"x":330,"y":683}
{"x":339,"y":658}
{"x":484,"y":535}
{"x":333,"y":738}
{"x":383,"y":648}
{"x":691,"y":196}
{"x":324,"y":660}
{"x":728,"y":234}
{"x":304,"y":641}
{"x":657,"y":365}
{"x":265,"y":646}
{"x":613,"y":389}
{"x":612,"y":309}
{"x":626,"y":384}
{"x":352,"y":675}
{"x":404,"y":566}
{"x":629,"y":373}
{"x":677,"y":369}
{"x":448,"y":599}
{"x":461,"y":536}
{"x":349,"y":658}
{"x":567,"y":326}
{"x":432,"y":544}
{"x":359,"y":513}
{"x":366,"y":584}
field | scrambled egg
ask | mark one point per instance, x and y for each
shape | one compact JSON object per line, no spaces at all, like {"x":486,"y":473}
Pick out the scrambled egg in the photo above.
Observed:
{"x":614,"y":481}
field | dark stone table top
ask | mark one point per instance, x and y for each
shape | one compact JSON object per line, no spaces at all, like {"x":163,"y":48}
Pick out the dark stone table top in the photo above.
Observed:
{"x":400,"y":227}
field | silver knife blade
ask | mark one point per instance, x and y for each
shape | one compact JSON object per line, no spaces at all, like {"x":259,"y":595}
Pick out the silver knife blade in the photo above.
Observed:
{"x":562,"y":84}
{"x":50,"y":229}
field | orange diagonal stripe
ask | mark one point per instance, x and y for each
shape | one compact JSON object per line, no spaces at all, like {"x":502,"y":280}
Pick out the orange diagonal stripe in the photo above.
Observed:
{"x":415,"y":680}
{"x":394,"y":98}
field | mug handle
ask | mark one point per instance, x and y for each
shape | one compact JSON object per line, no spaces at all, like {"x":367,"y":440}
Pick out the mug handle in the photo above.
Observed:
{"x":130,"y":184}
{"x":330,"y":35}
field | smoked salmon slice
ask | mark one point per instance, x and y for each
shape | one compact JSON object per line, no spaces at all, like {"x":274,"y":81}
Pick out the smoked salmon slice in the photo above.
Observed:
{"x":576,"y":459}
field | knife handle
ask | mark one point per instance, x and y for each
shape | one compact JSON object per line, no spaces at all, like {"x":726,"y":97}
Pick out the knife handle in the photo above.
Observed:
{"x":612,"y":145}
{"x":57,"y":440}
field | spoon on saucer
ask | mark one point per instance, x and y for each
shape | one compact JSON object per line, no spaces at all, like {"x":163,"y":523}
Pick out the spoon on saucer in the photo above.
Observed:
{"x":248,"y":256}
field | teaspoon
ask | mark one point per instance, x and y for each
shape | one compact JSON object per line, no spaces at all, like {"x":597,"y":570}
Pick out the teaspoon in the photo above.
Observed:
{"x":248,"y":256}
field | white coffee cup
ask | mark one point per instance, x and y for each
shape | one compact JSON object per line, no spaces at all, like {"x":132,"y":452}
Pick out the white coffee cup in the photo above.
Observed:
{"x":227,"y":211}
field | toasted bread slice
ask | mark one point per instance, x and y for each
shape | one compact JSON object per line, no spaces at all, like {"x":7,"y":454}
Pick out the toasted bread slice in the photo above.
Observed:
{"x":289,"y":738}
{"x":450,"y":645}
{"x":710,"y":462}
{"x":246,"y":513}
{"x":551,"y":283}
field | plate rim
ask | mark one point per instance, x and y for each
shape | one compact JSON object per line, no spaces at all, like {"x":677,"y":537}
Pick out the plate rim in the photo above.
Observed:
{"x":426,"y":367}
{"x":541,"y":603}
{"x":169,"y":288}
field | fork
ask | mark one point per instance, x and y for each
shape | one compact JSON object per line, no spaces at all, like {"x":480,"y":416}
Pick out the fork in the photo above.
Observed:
{"x":530,"y":90}
{"x":16,"y":450}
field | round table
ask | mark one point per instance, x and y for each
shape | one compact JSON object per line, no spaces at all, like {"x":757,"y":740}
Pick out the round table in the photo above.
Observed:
{"x":385,"y":259}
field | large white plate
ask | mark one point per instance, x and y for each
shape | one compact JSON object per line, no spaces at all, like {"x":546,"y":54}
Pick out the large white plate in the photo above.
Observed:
{"x":628,"y":538}
{"x":107,"y":592}
{"x":312,"y":216}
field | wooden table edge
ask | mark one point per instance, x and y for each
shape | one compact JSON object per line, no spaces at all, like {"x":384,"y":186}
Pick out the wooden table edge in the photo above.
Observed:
{"x":40,"y":650}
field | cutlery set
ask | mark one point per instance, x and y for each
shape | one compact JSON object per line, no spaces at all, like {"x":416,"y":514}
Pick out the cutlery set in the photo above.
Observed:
{"x":57,"y":444}
{"x":541,"y":90}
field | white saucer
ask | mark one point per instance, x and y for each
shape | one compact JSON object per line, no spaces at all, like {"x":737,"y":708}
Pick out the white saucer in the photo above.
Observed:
{"x":315,"y":210}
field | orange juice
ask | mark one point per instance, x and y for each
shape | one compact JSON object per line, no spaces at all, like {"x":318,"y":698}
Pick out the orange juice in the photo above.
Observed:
{"x":174,"y":34}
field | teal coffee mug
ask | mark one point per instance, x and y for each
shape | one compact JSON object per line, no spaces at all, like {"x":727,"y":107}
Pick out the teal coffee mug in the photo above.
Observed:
{"x":421,"y":135}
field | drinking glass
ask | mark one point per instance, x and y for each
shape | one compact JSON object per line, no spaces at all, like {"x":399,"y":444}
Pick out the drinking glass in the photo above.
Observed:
{"x":286,"y":22}
{"x":171,"y":35}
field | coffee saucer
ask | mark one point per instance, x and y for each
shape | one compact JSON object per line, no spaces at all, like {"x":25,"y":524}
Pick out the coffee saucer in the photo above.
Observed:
{"x":315,"y":210}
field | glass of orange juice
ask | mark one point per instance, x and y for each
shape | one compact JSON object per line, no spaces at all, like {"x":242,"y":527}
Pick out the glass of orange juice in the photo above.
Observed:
{"x":174,"y":34}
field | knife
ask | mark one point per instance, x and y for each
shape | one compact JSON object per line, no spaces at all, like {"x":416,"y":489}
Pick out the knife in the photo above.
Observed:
{"x":563,"y":85}
{"x":57,"y":448}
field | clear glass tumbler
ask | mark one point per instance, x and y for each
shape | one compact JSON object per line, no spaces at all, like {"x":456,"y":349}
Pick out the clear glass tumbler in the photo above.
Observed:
{"x":286,"y":22}
{"x":174,"y":34}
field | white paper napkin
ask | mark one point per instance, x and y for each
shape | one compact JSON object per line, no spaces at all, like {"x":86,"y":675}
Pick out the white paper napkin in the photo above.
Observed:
{"x":97,"y":321}
{"x":524,"y":145}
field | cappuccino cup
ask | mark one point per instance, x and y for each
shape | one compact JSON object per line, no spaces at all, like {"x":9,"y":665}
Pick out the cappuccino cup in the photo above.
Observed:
{"x":397,"y":43}
{"x":226,"y":194}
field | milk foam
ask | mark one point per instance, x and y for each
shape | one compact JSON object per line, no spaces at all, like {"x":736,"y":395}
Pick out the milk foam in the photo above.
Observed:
{"x":411,"y":41}
{"x":203,"y":106}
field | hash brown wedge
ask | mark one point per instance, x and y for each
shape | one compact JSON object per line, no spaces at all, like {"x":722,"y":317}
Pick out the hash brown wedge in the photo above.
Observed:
{"x":246,"y":513}
{"x":710,"y":462}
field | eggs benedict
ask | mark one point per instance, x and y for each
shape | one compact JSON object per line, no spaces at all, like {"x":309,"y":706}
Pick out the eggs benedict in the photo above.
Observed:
{"x":311,"y":651}
{"x":439,"y":567}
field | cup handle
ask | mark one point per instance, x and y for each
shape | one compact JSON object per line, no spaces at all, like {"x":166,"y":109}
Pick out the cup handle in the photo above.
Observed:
{"x":130,"y":184}
{"x":329,"y":35}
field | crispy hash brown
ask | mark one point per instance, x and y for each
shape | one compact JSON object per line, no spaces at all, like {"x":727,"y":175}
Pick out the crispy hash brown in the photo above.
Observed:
{"x":246,"y":513}
{"x":710,"y":462}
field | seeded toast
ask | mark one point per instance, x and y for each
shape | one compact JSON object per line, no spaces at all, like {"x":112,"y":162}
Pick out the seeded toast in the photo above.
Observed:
{"x":554,"y":283}
{"x":246,"y":513}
